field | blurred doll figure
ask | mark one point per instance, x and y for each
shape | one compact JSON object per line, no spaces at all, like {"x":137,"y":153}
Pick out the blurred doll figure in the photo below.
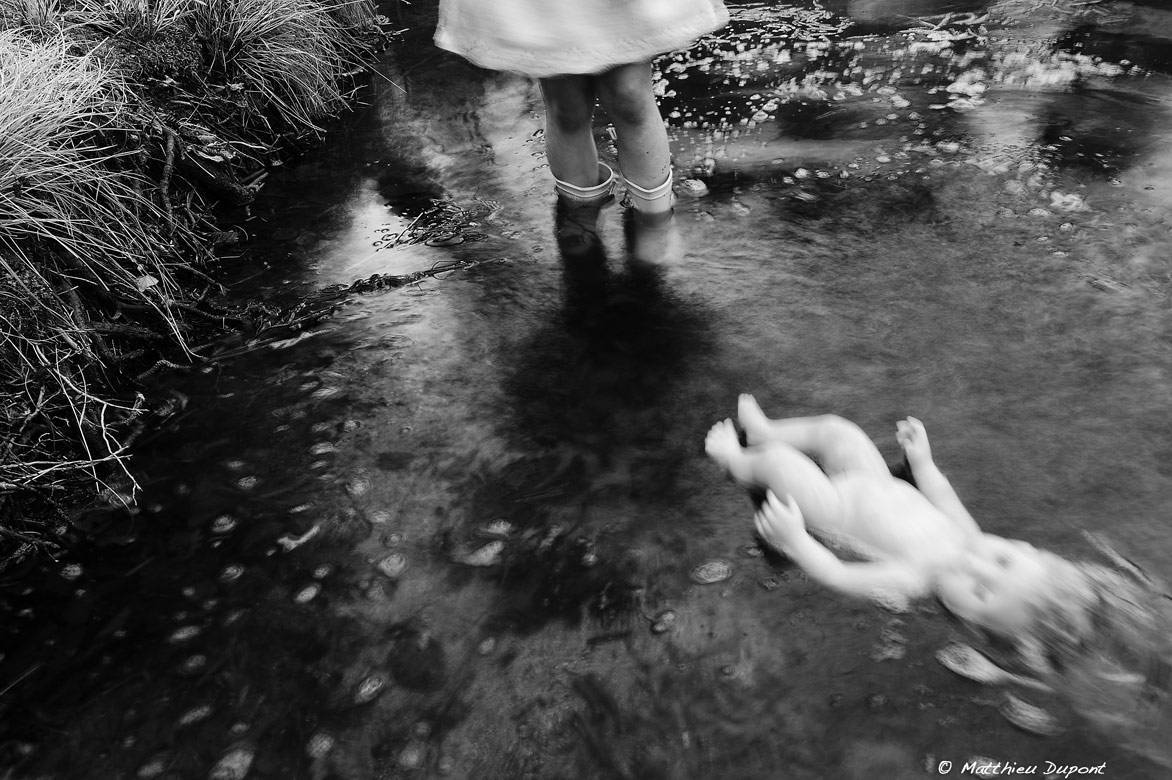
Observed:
{"x":586,"y":52}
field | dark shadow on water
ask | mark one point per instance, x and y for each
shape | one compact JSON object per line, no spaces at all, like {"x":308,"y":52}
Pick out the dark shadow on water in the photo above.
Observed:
{"x":588,"y":395}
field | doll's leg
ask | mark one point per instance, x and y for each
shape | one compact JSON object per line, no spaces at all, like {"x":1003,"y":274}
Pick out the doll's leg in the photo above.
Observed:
{"x":780,"y":468}
{"x":569,"y":132}
{"x":627,"y":94}
{"x":840,"y":446}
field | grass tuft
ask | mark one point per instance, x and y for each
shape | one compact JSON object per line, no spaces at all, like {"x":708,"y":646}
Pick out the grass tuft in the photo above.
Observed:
{"x":287,"y":59}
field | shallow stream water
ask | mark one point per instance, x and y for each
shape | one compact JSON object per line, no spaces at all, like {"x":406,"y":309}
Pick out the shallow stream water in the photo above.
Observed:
{"x":456,"y":528}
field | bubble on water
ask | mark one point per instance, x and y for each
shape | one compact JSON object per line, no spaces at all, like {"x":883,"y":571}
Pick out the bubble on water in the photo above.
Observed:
{"x":769,"y":583}
{"x":184,"y":634}
{"x":323,"y":571}
{"x":750,"y":551}
{"x":319,"y":745}
{"x":234,"y":765}
{"x":369,"y":689}
{"x":351,"y":425}
{"x":71,"y":571}
{"x":231,"y":573}
{"x":234,"y":465}
{"x":1040,"y":212}
{"x":709,"y":572}
{"x":238,"y":729}
{"x":223,"y":524}
{"x":694,"y":188}
{"x":358,"y":486}
{"x":324,"y":393}
{"x":301,"y":508}
{"x":882,"y":159}
{"x":195,"y":715}
{"x":486,"y":646}
{"x":393,"y":565}
{"x":247,"y":483}
{"x":193,"y":664}
{"x":307,"y":594}
{"x":380,"y":516}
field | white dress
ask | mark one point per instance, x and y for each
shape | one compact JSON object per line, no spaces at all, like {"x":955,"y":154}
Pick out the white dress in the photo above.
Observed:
{"x":558,"y":37}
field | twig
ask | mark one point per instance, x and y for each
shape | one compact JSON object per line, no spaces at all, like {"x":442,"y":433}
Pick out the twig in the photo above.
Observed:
{"x":165,"y":180}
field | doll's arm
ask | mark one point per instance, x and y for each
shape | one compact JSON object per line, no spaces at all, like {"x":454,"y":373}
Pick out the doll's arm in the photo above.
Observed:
{"x":930,"y":480}
{"x":781,"y":525}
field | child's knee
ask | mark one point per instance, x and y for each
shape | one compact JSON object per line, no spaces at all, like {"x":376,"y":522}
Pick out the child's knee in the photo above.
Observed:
{"x":627,"y":97}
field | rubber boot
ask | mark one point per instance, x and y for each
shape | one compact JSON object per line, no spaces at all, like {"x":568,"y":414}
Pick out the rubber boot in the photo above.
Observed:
{"x":650,"y":227}
{"x":577,"y":211}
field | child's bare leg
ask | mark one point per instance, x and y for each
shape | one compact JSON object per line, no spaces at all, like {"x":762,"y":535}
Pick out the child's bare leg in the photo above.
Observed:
{"x":840,"y":445}
{"x":780,"y":468}
{"x":569,"y":131}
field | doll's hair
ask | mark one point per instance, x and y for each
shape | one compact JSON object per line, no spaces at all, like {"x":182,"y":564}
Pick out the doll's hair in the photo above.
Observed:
{"x":1102,"y":639}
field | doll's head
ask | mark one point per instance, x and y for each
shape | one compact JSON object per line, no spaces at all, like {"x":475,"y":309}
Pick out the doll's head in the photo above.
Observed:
{"x":1000,"y":584}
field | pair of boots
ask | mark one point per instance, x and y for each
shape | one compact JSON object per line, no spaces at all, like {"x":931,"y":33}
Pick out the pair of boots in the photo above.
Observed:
{"x":648,"y":220}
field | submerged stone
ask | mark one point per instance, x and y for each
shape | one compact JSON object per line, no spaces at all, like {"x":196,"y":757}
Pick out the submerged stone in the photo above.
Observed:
{"x":319,"y":745}
{"x":231,"y":573}
{"x":709,"y":572}
{"x":195,"y":715}
{"x":223,"y":524}
{"x":234,"y":765}
{"x":307,"y":594}
{"x":193,"y":664}
{"x":184,"y":634}
{"x":488,"y":555}
{"x":664,"y":621}
{"x":1029,"y":718}
{"x":369,"y":689}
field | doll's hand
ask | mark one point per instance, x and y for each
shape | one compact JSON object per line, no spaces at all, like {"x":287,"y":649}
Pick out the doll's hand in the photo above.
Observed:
{"x":780,"y":524}
{"x":913,"y":438}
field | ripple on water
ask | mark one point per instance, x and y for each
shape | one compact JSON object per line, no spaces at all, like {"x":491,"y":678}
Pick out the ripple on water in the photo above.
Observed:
{"x":231,"y":573}
{"x":393,"y":565}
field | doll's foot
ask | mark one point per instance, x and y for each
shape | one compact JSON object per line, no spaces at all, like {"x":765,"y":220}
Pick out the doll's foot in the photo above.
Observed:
{"x":722,"y":444}
{"x":752,"y":419}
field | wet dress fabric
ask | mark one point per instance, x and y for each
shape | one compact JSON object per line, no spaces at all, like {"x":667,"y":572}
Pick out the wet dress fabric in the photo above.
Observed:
{"x":542,"y":38}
